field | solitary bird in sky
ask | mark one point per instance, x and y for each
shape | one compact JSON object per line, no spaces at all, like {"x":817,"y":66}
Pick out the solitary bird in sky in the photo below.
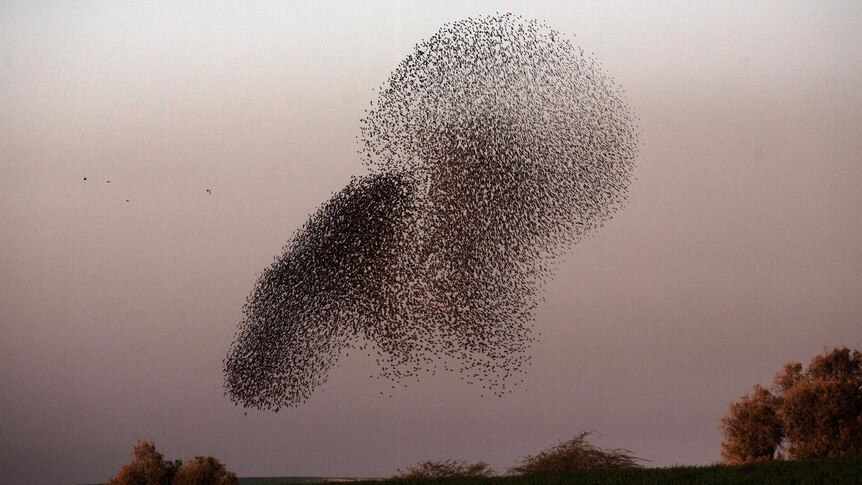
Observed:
{"x":209,"y":191}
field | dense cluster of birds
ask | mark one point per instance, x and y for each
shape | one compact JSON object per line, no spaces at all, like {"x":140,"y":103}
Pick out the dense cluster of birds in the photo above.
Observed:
{"x":492,"y":148}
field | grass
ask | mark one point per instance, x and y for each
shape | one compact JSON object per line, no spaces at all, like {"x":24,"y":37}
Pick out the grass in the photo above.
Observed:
{"x":295,"y":480}
{"x":841,"y":471}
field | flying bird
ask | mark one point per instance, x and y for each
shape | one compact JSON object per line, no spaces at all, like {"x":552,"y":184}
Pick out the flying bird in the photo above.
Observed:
{"x":209,"y":191}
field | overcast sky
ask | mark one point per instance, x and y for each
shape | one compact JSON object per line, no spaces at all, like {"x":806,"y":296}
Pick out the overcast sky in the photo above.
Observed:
{"x":741,"y":247}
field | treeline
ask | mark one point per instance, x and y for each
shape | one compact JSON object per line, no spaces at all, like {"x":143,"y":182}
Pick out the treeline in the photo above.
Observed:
{"x":809,"y":413}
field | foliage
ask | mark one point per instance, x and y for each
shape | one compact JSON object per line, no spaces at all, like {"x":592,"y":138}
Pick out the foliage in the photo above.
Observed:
{"x":204,"y":470}
{"x":752,"y":428}
{"x":148,"y":467}
{"x":822,"y":407}
{"x":445,"y":469}
{"x":576,"y":454}
{"x":171,"y":469}
{"x":811,"y":413}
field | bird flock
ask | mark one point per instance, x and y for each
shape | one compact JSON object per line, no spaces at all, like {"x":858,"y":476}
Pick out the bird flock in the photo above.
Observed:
{"x":492,"y":148}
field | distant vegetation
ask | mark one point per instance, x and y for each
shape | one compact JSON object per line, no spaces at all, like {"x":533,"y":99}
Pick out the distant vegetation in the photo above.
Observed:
{"x":445,"y":469}
{"x":148,"y":467}
{"x":809,"y":413}
{"x":573,"y":455}
{"x":806,"y":429}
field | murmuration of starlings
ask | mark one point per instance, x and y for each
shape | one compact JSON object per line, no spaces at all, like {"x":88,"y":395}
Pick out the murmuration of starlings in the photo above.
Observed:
{"x":492,"y":148}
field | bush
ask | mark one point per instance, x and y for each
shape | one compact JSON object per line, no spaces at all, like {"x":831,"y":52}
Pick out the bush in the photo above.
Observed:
{"x":810,"y":413}
{"x":574,"y":455}
{"x":147,"y":467}
{"x":445,"y":469}
{"x":204,"y":470}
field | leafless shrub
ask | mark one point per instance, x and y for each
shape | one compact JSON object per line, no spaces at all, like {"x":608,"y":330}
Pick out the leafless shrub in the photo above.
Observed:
{"x":445,"y":469}
{"x":576,"y":454}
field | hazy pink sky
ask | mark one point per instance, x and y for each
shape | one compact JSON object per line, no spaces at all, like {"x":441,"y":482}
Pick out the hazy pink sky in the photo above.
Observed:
{"x":741,"y":247}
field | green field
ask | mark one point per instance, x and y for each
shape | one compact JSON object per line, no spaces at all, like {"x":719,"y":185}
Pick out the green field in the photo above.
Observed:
{"x":844,"y":471}
{"x":296,"y":480}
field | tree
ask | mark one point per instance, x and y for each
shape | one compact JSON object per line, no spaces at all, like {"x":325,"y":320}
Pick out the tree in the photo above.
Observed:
{"x":204,"y":470}
{"x":574,"y":455}
{"x":813,"y":412}
{"x":752,"y":429}
{"x":822,"y":407}
{"x":445,"y":469}
{"x":147,"y":467}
